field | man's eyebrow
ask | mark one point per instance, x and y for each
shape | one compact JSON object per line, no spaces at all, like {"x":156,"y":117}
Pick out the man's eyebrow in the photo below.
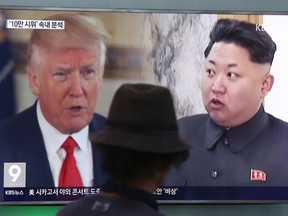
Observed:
{"x":212,"y":62}
{"x":62,"y":65}
{"x":89,"y":65}
{"x":229,"y":65}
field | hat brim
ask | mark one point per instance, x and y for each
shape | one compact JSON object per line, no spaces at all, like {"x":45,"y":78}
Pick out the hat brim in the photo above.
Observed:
{"x":165,"y":142}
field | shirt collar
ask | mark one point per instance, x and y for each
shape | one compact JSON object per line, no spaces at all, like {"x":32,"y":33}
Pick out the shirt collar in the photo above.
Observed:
{"x":239,"y":137}
{"x":53,"y":138}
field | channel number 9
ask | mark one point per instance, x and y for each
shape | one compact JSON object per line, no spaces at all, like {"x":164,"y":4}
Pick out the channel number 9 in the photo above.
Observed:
{"x":14,"y":171}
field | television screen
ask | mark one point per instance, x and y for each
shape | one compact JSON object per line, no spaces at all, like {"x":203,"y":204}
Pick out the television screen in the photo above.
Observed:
{"x":157,"y":47}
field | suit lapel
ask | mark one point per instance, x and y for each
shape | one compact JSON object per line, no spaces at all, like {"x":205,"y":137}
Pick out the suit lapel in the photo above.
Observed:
{"x":32,"y":150}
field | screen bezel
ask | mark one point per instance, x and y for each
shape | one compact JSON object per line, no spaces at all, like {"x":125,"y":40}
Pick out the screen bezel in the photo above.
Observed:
{"x":156,"y":11}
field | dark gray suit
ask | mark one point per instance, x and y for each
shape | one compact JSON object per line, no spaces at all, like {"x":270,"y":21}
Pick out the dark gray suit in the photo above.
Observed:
{"x":253,"y":154}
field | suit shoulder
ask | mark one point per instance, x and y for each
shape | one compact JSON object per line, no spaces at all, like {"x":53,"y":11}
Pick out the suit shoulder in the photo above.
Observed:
{"x":97,"y":123}
{"x":192,"y":126}
{"x":98,"y":118}
{"x":193,"y":120}
{"x":19,"y":120}
{"x":277,"y":123}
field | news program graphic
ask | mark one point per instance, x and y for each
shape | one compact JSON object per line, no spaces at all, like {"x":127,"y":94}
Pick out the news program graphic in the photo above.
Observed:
{"x":14,"y":175}
{"x":34,"y":24}
{"x":259,"y":27}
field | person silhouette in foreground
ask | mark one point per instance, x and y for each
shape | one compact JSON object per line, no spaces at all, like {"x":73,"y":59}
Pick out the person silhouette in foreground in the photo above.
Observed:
{"x":138,"y":145}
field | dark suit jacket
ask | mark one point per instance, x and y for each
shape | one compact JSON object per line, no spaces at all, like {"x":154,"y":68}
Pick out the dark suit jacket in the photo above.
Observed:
{"x":252,"y":154}
{"x":21,"y":141}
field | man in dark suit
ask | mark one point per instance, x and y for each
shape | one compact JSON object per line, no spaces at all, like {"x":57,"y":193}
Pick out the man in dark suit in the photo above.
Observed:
{"x":28,"y":146}
{"x":237,"y":143}
{"x":65,"y":69}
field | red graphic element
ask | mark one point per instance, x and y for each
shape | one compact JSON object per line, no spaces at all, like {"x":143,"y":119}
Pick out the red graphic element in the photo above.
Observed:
{"x":257,"y":175}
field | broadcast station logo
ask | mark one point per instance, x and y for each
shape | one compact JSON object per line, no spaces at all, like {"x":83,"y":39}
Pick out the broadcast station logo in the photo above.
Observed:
{"x":260,"y":27}
{"x":14,"y":175}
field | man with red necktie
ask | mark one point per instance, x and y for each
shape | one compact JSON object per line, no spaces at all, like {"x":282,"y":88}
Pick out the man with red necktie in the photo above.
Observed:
{"x":65,"y":69}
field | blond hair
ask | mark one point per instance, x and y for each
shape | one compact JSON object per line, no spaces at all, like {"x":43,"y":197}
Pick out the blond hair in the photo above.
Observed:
{"x":81,"y":31}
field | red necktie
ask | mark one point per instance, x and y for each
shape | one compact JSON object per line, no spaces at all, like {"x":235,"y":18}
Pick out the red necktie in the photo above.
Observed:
{"x":69,"y":174}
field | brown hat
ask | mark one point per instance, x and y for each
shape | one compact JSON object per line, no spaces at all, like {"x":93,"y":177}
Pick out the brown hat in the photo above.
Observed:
{"x":142,"y":118}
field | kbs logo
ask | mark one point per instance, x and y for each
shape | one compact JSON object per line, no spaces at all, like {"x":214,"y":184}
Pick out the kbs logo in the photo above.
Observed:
{"x":14,"y":175}
{"x":259,"y":27}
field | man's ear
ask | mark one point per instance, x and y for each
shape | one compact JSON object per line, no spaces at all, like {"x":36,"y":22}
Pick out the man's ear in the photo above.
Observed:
{"x":267,"y":85}
{"x":34,"y":82}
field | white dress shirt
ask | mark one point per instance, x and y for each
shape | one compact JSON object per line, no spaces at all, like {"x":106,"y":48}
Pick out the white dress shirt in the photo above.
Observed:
{"x":53,"y":139}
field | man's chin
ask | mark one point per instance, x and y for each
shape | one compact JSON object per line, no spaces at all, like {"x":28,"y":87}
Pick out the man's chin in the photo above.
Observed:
{"x":220,"y":120}
{"x":75,"y":128}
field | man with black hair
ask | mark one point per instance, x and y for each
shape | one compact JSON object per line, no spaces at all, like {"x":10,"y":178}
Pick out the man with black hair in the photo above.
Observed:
{"x":138,"y":145}
{"x":237,"y":143}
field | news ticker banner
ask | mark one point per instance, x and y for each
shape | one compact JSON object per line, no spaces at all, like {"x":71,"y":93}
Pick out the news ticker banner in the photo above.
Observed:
{"x":162,"y":194}
{"x":14,"y":189}
{"x":46,"y":194}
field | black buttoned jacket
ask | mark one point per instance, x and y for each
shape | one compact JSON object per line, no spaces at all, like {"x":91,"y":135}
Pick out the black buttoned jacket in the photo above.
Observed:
{"x":252,"y":154}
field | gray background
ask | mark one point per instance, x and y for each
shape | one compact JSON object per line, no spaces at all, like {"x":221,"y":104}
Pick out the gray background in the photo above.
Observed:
{"x":271,"y":7}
